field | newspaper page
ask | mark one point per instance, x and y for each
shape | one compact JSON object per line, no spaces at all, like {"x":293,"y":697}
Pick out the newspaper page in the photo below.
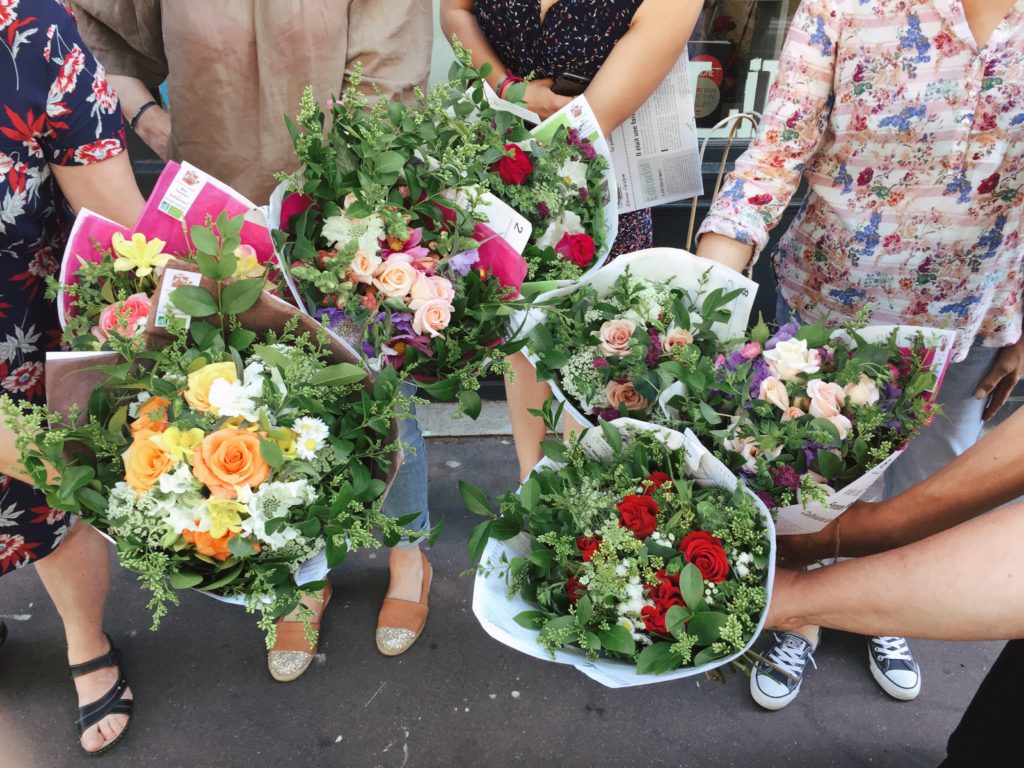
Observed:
{"x":654,"y":152}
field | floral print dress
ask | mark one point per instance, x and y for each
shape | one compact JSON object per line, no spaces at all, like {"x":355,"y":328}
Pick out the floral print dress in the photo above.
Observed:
{"x":56,"y":109}
{"x":575,"y":36}
{"x":911,"y":138}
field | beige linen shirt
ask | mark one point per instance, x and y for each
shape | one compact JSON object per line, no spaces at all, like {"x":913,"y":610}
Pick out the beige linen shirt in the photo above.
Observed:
{"x":236,"y":68}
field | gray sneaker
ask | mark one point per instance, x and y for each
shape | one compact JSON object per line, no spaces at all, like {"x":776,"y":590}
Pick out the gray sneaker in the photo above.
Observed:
{"x":776,"y":684}
{"x":893,"y":667}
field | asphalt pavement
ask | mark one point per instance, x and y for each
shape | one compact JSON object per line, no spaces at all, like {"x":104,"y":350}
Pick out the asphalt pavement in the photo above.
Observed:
{"x":457,"y":698}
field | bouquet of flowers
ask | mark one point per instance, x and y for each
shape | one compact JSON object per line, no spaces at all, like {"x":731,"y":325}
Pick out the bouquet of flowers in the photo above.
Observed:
{"x":806,"y":412}
{"x":630,"y":552}
{"x":242,"y":456}
{"x":386,"y":247}
{"x":611,"y":345}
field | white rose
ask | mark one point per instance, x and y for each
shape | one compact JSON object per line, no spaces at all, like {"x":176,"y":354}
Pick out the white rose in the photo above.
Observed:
{"x":568,"y":223}
{"x":791,"y":358}
{"x":864,"y":392}
{"x":841,"y":423}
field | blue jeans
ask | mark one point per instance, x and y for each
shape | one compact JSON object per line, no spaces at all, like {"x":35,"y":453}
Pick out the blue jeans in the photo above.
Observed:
{"x":953,"y":432}
{"x":409,"y":491}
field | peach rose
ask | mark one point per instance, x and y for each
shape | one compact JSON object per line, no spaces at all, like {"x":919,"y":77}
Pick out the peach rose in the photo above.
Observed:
{"x":144,"y":463}
{"x":432,"y":317}
{"x":227,"y":459}
{"x":864,"y":392}
{"x":624,"y":392}
{"x":152,"y":416}
{"x":197,"y":394}
{"x":676,"y":337}
{"x":428,"y":288}
{"x":395,"y":277}
{"x":792,"y":413}
{"x":841,"y":423}
{"x":775,"y":392}
{"x":364,"y":266}
{"x":615,"y":336}
{"x":205,"y":544}
{"x":826,"y":398}
{"x":124,"y":318}
{"x":749,"y":449}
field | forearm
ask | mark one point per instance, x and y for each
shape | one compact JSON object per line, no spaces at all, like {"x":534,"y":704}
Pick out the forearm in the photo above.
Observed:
{"x":725,"y":250}
{"x":153,"y":126}
{"x":963,"y":584}
{"x":458,"y":22}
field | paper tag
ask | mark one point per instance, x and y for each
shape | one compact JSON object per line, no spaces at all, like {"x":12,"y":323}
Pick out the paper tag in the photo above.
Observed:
{"x":506,"y":221}
{"x":173,"y":278}
{"x":314,"y":569}
{"x":507,"y":106}
{"x":185,"y":187}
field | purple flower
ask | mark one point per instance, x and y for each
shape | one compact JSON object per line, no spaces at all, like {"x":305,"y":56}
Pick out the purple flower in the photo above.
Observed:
{"x":825,"y":358}
{"x":402,"y":321}
{"x":461,"y":263}
{"x":768,"y":500}
{"x":811,"y":449}
{"x":785,"y":333}
{"x":335,"y":317}
{"x":543,"y":210}
{"x":785,"y":477}
{"x":653,"y":351}
{"x":893,"y":424}
{"x":761,"y":372}
{"x":368,"y":349}
{"x":588,"y":151}
{"x":584,"y":194}
{"x":573,"y":137}
{"x":608,"y":414}
{"x":600,"y":362}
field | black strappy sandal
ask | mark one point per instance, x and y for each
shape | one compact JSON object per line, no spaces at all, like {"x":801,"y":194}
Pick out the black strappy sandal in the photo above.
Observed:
{"x":109,"y":703}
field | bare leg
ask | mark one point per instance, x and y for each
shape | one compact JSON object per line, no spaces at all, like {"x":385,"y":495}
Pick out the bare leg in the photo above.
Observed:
{"x":522,"y":394}
{"x":77,"y":577}
{"x":406,"y":573}
{"x":571,"y":427}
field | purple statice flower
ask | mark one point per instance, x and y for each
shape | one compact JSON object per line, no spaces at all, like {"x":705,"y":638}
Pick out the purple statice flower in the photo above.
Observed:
{"x":890,"y":393}
{"x":811,"y":449}
{"x":785,"y":477}
{"x":892,"y":424}
{"x":761,"y":372}
{"x":368,"y":349}
{"x":543,"y":210}
{"x":587,"y":150}
{"x":735,"y":360}
{"x":462,"y":262}
{"x":653,"y":351}
{"x":768,"y":500}
{"x":600,"y":362}
{"x":608,"y":414}
{"x":584,"y":194}
{"x":785,"y":333}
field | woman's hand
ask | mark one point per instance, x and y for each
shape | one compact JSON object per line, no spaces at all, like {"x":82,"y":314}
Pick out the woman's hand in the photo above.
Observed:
{"x":542,"y":100}
{"x":1001,"y":378}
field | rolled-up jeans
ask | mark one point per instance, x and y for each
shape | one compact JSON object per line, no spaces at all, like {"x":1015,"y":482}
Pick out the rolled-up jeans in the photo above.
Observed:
{"x":409,"y":491}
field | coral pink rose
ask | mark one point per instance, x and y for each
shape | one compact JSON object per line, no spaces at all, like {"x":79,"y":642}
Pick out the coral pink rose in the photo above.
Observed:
{"x":676,"y":337}
{"x":429,"y":288}
{"x":827,"y":398}
{"x":615,"y":336}
{"x":432,"y":317}
{"x":775,"y":392}
{"x":364,"y":266}
{"x":792,"y":413}
{"x":625,"y":393}
{"x":395,"y":277}
{"x":125,"y":318}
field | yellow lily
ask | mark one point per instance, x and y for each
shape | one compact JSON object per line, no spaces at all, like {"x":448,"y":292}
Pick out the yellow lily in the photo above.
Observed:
{"x":138,"y":253}
{"x":225,"y":516}
{"x":180,"y":445}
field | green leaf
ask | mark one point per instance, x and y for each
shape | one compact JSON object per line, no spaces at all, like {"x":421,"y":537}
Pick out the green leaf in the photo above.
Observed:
{"x":691,"y":585}
{"x":474,"y":499}
{"x":542,"y":557}
{"x":827,"y":426}
{"x":707,"y":627}
{"x":185,"y":580}
{"x":829,"y":464}
{"x":554,"y":450}
{"x":241,"y":339}
{"x":194,"y":301}
{"x":529,"y":494}
{"x":271,"y":453}
{"x":208,"y":265}
{"x":470,"y":403}
{"x":207,"y":244}
{"x":709,"y":414}
{"x":241,"y":295}
{"x":338,"y":375}
{"x":73,"y":479}
{"x":227,"y":578}
{"x":655,"y":659}
{"x":91,"y":500}
{"x":389,"y":162}
{"x":612,"y":436}
{"x":760,"y":332}
{"x":708,"y":655}
{"x":273,"y":357}
{"x":118,"y":420}
{"x":242,"y":548}
{"x":204,"y":333}
{"x":478,"y":540}
{"x":530,"y":619}
{"x":676,"y":618}
{"x":584,"y":610}
{"x":618,"y":639}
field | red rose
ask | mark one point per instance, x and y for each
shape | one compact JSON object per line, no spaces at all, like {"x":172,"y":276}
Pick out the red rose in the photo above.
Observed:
{"x":989,"y":184}
{"x":579,"y":249}
{"x":656,"y":480}
{"x":573,"y":589}
{"x":654,"y":619}
{"x":514,"y":168}
{"x":865,"y":176}
{"x":587,"y":545}
{"x":639,"y":514}
{"x":707,"y":553}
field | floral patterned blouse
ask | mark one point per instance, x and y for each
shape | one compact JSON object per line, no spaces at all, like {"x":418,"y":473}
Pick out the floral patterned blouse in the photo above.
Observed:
{"x":911,"y":138}
{"x":55,"y":109}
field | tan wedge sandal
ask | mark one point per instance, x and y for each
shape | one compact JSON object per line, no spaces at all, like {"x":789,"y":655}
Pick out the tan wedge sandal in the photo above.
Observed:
{"x":401,"y":622}
{"x":292,"y":653}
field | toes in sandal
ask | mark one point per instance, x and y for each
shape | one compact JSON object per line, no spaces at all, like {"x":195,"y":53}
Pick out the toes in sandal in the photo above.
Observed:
{"x":292,"y":653}
{"x":401,"y":622}
{"x":110,"y":703}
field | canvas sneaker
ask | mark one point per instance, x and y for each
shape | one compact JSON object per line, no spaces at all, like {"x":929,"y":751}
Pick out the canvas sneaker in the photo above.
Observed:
{"x":773,"y":685}
{"x":893,"y":667}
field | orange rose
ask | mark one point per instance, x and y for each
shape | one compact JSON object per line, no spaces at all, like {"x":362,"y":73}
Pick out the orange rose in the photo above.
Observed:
{"x":152,"y":416}
{"x":229,"y":458}
{"x":144,"y":463}
{"x":205,"y":544}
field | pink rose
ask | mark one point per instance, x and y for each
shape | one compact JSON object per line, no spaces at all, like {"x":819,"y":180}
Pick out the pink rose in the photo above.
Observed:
{"x":395,"y":277}
{"x":750,"y":351}
{"x":792,"y":413}
{"x":364,"y":266}
{"x":615,"y":336}
{"x":827,"y":398}
{"x":624,"y":392}
{"x":774,"y":391}
{"x":429,"y":288}
{"x":432,"y":317}
{"x":676,"y":337}
{"x":125,"y":318}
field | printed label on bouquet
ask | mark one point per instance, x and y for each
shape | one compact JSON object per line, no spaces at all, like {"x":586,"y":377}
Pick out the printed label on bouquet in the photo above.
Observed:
{"x":576,"y":114}
{"x":314,"y":569}
{"x":173,"y":278}
{"x":185,"y":187}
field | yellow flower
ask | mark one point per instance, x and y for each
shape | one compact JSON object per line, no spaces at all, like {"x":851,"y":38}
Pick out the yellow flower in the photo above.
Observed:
{"x":225,"y":516}
{"x":248,"y":265}
{"x":287,"y":442}
{"x":180,"y":445}
{"x":199,"y":383}
{"x":138,"y":253}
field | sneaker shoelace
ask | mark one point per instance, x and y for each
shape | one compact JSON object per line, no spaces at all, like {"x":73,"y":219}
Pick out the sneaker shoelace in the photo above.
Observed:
{"x":791,"y":657}
{"x":892,"y":648}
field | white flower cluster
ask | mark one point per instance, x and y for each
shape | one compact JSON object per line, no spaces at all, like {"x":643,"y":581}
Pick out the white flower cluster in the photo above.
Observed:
{"x":581,"y":380}
{"x":743,"y":563}
{"x":240,"y":398}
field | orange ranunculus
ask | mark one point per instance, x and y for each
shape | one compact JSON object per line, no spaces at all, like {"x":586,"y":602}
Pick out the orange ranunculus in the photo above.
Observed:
{"x":229,"y":458}
{"x":205,"y":544}
{"x":144,"y":463}
{"x":152,"y":416}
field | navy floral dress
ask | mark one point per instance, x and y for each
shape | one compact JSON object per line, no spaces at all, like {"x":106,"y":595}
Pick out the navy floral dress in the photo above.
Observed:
{"x":575,"y":36}
{"x":55,"y":109}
